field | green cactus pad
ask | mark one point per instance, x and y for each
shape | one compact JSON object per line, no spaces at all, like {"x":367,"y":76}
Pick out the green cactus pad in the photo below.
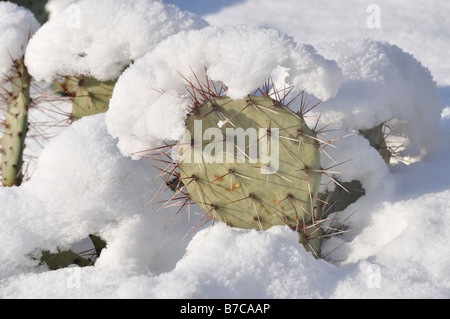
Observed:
{"x":377,"y":139}
{"x":64,"y":259}
{"x":16,"y":126}
{"x":236,"y":188}
{"x":344,"y":194}
{"x":90,"y":96}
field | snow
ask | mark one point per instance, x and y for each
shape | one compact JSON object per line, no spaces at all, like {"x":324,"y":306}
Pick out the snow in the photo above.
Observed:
{"x":86,"y":182}
{"x":419,"y":27}
{"x":241,"y":57}
{"x":100,"y":38}
{"x":54,"y":7}
{"x":17,"y":25}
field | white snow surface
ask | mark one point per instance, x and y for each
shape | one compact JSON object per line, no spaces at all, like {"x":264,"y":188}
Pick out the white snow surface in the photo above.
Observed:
{"x":397,"y":243}
{"x":17,"y":25}
{"x":99,"y":38}
{"x":419,"y":27}
{"x":383,"y":83}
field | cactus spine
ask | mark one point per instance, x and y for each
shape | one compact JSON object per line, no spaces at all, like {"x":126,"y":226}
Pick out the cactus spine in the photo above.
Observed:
{"x":16,"y":126}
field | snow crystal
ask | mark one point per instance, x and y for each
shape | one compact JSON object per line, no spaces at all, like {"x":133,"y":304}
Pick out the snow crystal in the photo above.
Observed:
{"x":241,"y":57}
{"x":99,"y":38}
{"x":17,"y":25}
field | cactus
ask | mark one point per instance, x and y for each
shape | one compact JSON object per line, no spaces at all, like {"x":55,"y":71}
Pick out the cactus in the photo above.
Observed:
{"x":350,"y":192}
{"x":249,"y":194}
{"x":35,"y":6}
{"x":343,"y":196}
{"x":63,"y":259}
{"x":16,"y":126}
{"x":377,"y":139}
{"x":90,"y":96}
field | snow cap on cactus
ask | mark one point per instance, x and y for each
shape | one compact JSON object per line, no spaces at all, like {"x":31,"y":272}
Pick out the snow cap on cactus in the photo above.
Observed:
{"x":240,"y":57}
{"x":383,"y":83}
{"x":17,"y":25}
{"x":99,"y":38}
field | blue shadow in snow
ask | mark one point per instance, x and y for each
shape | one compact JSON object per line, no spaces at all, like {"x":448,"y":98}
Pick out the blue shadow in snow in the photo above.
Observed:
{"x":444,"y":91}
{"x":203,"y":7}
{"x":445,"y":94}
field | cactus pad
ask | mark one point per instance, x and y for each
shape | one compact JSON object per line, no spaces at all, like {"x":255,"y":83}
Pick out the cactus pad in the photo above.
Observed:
{"x":250,"y":192}
{"x":16,"y":126}
{"x":90,"y":96}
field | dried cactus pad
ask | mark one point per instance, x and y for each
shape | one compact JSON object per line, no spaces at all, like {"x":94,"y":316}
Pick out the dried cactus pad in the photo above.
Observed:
{"x":276,"y":187}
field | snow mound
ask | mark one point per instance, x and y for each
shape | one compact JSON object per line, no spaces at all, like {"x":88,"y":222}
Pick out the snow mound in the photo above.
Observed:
{"x":17,"y":25}
{"x":83,"y":185}
{"x":99,"y":38}
{"x":241,"y":57}
{"x":383,"y":83}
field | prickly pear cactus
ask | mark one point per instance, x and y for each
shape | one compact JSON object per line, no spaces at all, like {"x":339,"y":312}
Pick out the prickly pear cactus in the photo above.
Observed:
{"x":349,"y":192}
{"x":64,"y":259}
{"x":90,"y":96}
{"x":16,"y":126}
{"x":279,"y":186}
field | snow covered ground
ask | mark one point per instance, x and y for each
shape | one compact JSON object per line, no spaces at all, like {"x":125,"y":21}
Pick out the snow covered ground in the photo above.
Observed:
{"x":398,"y":243}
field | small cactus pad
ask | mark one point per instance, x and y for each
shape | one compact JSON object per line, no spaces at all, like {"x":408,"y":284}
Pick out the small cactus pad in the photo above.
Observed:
{"x":35,"y":6}
{"x":90,"y":96}
{"x":377,"y":139}
{"x":279,"y":186}
{"x":16,"y":126}
{"x":64,"y":259}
